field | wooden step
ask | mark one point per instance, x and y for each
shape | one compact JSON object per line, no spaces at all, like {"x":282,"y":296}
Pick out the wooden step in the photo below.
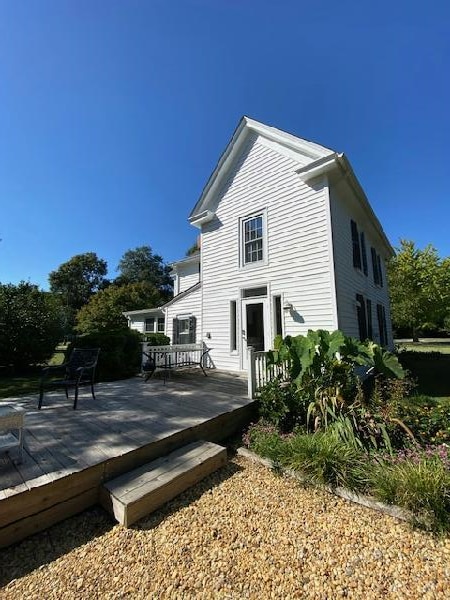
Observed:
{"x":138,"y":493}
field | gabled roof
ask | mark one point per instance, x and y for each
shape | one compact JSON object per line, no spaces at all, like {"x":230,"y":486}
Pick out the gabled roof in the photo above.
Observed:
{"x":202,"y":212}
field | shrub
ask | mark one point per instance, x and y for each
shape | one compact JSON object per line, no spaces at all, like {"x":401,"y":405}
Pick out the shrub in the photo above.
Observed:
{"x":422,"y":487}
{"x":281,"y":404}
{"x":428,"y":418}
{"x":120,"y":355}
{"x":156,"y":339}
{"x":31,"y":325}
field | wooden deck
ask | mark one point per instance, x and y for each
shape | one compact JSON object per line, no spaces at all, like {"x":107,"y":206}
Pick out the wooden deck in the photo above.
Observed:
{"x":69,"y":454}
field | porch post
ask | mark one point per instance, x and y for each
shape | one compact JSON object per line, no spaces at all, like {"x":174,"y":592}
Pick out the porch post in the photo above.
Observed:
{"x":251,"y":372}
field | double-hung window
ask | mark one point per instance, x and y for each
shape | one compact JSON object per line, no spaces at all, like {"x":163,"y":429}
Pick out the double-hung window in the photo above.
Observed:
{"x":150,"y":325}
{"x":253,"y":239}
{"x":359,"y":248}
{"x":376,"y":267}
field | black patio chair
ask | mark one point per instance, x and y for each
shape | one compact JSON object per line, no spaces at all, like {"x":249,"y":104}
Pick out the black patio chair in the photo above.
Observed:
{"x":78,"y":370}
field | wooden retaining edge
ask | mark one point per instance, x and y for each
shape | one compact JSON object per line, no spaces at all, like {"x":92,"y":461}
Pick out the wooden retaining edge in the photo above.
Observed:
{"x":367,"y":501}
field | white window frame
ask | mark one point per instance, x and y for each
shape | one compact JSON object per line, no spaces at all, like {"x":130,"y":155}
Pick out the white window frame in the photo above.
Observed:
{"x":242,"y":243}
{"x":158,"y":323}
{"x":145,"y":325}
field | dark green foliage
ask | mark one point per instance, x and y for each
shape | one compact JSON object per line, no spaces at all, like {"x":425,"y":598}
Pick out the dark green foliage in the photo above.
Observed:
{"x":77,"y":279}
{"x":430,"y":369}
{"x":31,"y":325}
{"x":120,"y":352}
{"x":281,"y":404}
{"x":156,"y":339}
{"x":140,"y":265}
{"x":104,"y":310}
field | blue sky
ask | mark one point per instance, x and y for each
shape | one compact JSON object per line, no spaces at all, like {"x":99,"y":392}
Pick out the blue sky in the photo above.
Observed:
{"x":113,"y":114}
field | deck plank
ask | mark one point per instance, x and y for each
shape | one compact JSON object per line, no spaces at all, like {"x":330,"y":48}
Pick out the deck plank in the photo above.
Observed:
{"x":70,"y":454}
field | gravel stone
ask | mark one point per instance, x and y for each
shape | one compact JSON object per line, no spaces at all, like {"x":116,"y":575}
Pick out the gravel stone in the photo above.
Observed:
{"x":243,"y":532}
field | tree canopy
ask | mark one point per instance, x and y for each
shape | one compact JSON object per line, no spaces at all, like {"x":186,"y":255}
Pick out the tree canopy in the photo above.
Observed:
{"x":420,"y":287}
{"x":140,"y":265}
{"x":30,"y":325}
{"x":78,"y":278}
{"x":104,"y":310}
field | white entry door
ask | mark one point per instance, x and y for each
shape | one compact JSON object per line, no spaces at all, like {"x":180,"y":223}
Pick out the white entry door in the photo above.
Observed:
{"x":255,"y":330}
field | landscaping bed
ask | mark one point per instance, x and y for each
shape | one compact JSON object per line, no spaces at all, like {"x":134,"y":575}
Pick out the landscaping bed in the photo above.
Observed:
{"x":375,"y":437}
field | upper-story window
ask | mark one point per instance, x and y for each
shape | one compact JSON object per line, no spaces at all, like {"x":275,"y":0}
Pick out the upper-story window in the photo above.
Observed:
{"x":359,"y":248}
{"x":253,"y":239}
{"x":376,"y":267}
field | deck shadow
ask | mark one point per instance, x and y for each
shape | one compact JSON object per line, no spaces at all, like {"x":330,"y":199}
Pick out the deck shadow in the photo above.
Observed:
{"x":42,"y":548}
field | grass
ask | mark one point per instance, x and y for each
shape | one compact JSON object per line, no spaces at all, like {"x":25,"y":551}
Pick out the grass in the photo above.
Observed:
{"x":27,"y":384}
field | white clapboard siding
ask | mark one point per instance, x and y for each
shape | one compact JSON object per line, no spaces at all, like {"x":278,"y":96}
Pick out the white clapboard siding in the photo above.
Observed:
{"x":351,"y":281}
{"x":188,"y":276}
{"x":137,"y":323}
{"x":298,"y":259}
{"x":188,"y":305}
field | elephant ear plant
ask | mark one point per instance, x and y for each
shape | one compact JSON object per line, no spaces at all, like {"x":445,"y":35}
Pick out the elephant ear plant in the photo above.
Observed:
{"x":322,"y":367}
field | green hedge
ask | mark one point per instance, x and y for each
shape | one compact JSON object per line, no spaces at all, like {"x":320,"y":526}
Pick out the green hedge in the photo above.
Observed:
{"x":430,"y":369}
{"x":120,"y":352}
{"x":156,"y":339}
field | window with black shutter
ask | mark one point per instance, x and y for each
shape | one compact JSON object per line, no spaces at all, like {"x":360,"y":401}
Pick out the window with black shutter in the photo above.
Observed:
{"x":361,"y":314}
{"x":380,"y":273}
{"x":382,"y":328}
{"x":374,"y":265}
{"x":363,"y":253}
{"x":356,"y":245}
{"x":369,"y":319}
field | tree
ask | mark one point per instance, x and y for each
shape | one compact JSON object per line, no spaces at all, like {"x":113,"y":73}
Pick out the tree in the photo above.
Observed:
{"x":141,"y":264}
{"x":419,"y":284}
{"x":193,"y":249}
{"x":77,"y":280}
{"x":104,"y":310}
{"x":30,"y":325}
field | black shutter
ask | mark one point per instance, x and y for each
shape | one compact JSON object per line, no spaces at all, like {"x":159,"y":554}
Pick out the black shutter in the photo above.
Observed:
{"x":369,"y":320}
{"x":192,"y":326}
{"x":381,"y":316}
{"x":356,"y":247}
{"x":175,"y":332}
{"x":361,"y":312}
{"x":376,"y":278}
{"x":363,"y":252}
{"x":380,"y":273}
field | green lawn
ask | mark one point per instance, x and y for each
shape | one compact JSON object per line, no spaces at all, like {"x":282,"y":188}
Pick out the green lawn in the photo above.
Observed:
{"x":23,"y":385}
{"x":426,"y":346}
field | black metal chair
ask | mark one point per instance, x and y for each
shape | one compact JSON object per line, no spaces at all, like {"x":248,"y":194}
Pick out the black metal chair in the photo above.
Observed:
{"x":78,"y":370}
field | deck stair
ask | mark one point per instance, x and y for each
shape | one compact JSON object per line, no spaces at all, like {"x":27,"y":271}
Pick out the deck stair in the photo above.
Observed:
{"x":141,"y":491}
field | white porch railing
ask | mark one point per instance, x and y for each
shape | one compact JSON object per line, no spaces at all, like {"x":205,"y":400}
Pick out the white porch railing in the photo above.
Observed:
{"x":176,"y":354}
{"x":258,"y":372}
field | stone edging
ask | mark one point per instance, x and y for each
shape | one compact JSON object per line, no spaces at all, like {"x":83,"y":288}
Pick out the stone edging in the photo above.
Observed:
{"x":388,"y":509}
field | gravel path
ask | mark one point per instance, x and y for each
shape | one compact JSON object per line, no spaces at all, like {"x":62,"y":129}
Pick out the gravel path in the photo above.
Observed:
{"x":241,"y":533}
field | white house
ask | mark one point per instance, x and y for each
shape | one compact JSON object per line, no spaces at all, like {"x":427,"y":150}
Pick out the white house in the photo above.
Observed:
{"x":288,"y":243}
